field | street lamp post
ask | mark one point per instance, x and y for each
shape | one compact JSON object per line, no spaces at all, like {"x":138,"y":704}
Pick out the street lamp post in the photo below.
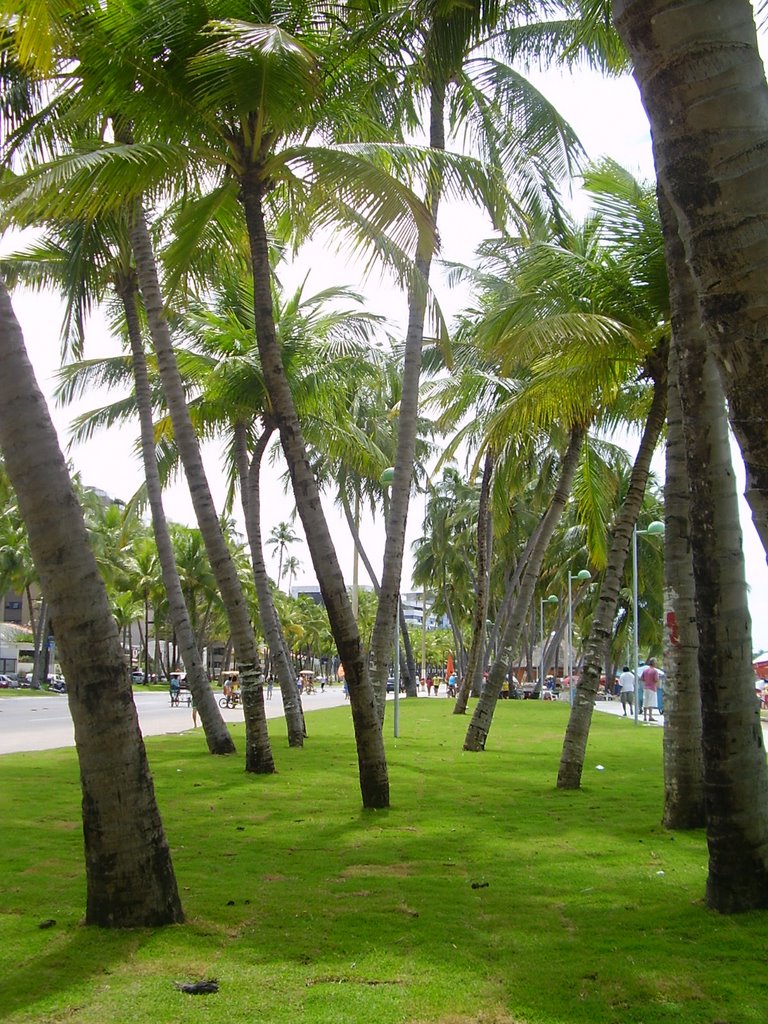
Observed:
{"x":583,"y":575}
{"x":552,"y":599}
{"x":655,"y":529}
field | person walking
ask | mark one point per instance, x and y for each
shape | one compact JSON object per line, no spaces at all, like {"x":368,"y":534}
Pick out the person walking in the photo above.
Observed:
{"x":626,"y":689}
{"x":650,"y":681}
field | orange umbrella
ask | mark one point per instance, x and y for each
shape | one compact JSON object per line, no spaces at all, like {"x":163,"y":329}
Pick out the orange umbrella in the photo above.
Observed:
{"x":449,"y":664}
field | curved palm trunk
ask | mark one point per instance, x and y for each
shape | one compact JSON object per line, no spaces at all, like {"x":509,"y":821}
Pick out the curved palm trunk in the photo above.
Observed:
{"x":580,"y":719}
{"x":407,"y":421}
{"x":250,"y":493}
{"x":683,"y":766}
{"x":372,"y":762}
{"x":702,"y":83}
{"x":129,"y":875}
{"x":477,"y":733}
{"x":735,"y":773}
{"x":258,"y":755}
{"x":215,"y":728}
{"x":474,"y":670}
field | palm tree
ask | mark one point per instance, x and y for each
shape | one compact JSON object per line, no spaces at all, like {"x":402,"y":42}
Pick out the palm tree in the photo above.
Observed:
{"x":324,"y":352}
{"x":281,"y":537}
{"x":735,"y":775}
{"x":683,"y":764}
{"x":291,"y":567}
{"x":129,"y":874}
{"x":100,"y":253}
{"x":454,"y":75}
{"x":691,"y":126}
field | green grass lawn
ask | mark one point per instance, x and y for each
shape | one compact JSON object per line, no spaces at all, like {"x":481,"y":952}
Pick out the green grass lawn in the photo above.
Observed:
{"x":483,"y":896}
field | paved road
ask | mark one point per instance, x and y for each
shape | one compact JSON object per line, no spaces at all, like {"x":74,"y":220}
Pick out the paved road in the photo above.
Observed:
{"x":44,"y":722}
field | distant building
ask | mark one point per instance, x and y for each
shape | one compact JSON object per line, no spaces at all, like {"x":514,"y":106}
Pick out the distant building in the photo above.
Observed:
{"x":413,"y":610}
{"x":413,"y":605}
{"x":17,"y":648}
{"x":312,"y":591}
{"x":14,"y":608}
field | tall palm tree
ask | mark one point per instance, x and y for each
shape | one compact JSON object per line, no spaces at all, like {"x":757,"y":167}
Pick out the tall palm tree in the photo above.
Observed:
{"x":291,"y":567}
{"x":101,"y":255}
{"x":129,"y":874}
{"x":281,"y":537}
{"x":324,"y":341}
{"x":453,"y":76}
{"x":673,"y":56}
{"x":684,"y":805}
{"x":735,"y":786}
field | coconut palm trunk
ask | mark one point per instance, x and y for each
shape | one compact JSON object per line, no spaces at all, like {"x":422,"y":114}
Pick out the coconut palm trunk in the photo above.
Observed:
{"x":474,"y":669}
{"x":683,"y":765}
{"x":480,"y":725}
{"x":580,"y":719}
{"x":250,"y":492}
{"x":702,"y":83}
{"x":215,"y":728}
{"x":407,"y":421}
{"x":129,"y":874}
{"x":735,"y":773}
{"x":372,"y":763}
{"x":258,"y":755}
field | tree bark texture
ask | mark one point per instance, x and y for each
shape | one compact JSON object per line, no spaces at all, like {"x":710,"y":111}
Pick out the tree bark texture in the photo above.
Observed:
{"x":372,"y":763}
{"x":703,"y":85}
{"x":217,"y":734}
{"x":474,"y":670}
{"x":129,"y":875}
{"x":683,"y":765}
{"x":735,"y":773}
{"x":480,"y":725}
{"x":580,"y":719}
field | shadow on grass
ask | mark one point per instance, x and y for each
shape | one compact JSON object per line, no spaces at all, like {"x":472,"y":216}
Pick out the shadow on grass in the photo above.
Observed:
{"x":73,"y":961}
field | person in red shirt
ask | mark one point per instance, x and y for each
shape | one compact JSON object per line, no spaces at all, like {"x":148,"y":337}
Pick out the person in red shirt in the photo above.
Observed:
{"x":650,"y":681}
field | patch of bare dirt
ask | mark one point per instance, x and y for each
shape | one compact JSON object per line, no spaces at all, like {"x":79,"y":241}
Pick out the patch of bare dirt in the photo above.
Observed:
{"x":380,"y":870}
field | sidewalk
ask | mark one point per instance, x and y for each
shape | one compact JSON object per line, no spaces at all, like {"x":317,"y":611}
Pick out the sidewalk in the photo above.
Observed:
{"x":613,"y":707}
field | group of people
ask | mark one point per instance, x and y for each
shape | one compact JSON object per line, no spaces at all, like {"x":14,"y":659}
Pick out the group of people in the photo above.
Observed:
{"x":432,"y":683}
{"x":649,"y":678}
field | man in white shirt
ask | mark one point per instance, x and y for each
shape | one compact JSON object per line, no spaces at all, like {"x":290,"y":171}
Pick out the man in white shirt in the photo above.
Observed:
{"x":626,"y":689}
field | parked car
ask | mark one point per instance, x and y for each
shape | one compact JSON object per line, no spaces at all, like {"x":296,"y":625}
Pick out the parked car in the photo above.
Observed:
{"x":137,"y":677}
{"x":6,"y":682}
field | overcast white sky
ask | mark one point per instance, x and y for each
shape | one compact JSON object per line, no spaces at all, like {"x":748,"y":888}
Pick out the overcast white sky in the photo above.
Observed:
{"x":609,"y":119}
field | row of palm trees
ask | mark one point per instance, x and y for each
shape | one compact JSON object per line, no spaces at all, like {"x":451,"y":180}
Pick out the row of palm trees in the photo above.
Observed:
{"x":171,"y":151}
